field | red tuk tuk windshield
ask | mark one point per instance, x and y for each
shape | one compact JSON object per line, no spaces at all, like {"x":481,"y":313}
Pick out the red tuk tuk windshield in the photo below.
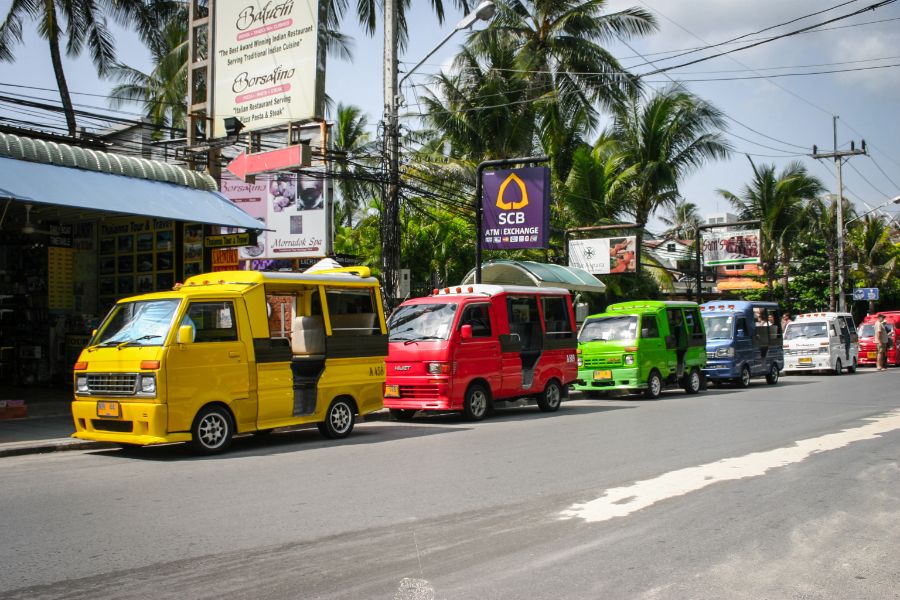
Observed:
{"x":422,"y":322}
{"x":609,"y":328}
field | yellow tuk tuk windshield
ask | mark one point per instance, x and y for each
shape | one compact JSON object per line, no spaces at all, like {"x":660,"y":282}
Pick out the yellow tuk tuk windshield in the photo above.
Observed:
{"x":139,"y":323}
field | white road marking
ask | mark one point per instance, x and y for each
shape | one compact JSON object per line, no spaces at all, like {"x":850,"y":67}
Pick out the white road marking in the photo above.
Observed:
{"x":622,"y":501}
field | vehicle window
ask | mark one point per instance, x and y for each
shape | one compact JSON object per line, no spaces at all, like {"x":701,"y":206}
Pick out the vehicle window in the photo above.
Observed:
{"x":693,"y":322}
{"x":609,"y":328}
{"x":524,"y":320}
{"x":352,"y":311}
{"x":719,"y":327}
{"x":281,"y":311}
{"x":417,"y":322}
{"x":649,"y":327}
{"x":479,"y":317}
{"x":759,"y":315}
{"x":741,"y":330}
{"x":676,"y":326}
{"x":851,"y":328}
{"x":867,"y":330}
{"x":556,"y":316}
{"x":142,"y":323}
{"x":212,"y":321}
{"x":798,"y":331}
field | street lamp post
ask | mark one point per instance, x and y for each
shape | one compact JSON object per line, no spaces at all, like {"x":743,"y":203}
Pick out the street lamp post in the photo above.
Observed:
{"x":390,"y":218}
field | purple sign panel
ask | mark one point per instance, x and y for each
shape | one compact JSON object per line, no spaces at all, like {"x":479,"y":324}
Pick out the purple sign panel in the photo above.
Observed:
{"x":516,"y":206}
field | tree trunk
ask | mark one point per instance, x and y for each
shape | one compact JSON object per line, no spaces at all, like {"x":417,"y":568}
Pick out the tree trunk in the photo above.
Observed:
{"x":786,"y":285}
{"x":832,"y":275}
{"x":56,"y":59}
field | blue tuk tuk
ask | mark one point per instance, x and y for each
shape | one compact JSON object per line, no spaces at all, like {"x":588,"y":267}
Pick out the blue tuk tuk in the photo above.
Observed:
{"x":743,"y":340}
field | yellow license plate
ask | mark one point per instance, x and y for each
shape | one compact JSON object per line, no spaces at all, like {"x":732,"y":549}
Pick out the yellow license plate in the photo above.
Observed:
{"x":392,"y":391}
{"x":805,"y":360}
{"x":606,"y":374}
{"x":872,"y":354}
{"x":108,"y":409}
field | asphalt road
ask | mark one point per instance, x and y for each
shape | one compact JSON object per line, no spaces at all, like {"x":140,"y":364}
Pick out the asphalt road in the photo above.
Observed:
{"x":790,"y":491}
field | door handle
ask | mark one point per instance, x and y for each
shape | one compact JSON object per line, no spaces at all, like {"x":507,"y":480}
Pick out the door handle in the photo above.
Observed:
{"x":234,"y":354}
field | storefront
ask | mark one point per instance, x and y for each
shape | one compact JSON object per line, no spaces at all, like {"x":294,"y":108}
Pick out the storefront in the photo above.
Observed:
{"x":80,"y":229}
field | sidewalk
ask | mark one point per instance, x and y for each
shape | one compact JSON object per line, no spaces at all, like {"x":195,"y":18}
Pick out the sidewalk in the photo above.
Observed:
{"x":48,"y":426}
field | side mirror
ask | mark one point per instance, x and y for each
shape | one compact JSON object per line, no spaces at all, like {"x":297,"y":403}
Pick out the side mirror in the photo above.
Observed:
{"x":186,"y":334}
{"x":93,"y":333}
{"x":466,"y":332}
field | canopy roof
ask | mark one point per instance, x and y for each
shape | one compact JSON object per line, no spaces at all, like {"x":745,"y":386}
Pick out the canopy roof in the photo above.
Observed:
{"x":526,"y":272}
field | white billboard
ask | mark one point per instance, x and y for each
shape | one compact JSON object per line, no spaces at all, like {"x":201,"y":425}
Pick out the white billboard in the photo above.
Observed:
{"x":267,"y":63}
{"x":731,"y":247}
{"x":603,"y":256}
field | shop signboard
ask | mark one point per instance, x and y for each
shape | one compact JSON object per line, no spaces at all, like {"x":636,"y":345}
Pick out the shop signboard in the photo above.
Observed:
{"x":604,"y":256}
{"x":268,"y":63}
{"x":230,"y":240}
{"x":225,"y":259}
{"x":516,"y":205}
{"x":722,"y":248}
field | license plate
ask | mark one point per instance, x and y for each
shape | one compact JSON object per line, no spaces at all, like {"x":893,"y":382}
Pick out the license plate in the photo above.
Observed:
{"x":392,"y":391}
{"x":805,"y":360}
{"x":607,"y":374}
{"x":108,"y":409}
{"x":872,"y":355}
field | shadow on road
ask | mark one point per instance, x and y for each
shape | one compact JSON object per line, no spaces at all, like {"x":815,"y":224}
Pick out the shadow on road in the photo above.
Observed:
{"x":525,"y":412}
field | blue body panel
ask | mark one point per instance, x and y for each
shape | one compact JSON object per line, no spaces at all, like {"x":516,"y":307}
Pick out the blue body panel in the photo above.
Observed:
{"x":758,"y":348}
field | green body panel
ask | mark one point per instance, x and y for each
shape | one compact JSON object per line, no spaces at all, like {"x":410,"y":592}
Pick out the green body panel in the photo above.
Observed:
{"x":660,"y":353}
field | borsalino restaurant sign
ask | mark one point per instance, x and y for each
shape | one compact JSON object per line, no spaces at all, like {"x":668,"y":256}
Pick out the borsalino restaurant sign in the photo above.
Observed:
{"x":268,"y":63}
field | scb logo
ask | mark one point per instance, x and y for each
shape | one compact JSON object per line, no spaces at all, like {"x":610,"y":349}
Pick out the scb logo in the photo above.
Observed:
{"x":512,"y":218}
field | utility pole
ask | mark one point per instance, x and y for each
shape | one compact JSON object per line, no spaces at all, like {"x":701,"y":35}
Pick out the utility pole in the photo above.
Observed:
{"x":839,"y":203}
{"x":390,"y":217}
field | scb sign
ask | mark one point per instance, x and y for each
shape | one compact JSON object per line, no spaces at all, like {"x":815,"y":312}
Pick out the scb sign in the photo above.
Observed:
{"x":516,"y":205}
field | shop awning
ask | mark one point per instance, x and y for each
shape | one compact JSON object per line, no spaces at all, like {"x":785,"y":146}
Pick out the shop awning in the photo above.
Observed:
{"x":526,"y":272}
{"x":41,"y":183}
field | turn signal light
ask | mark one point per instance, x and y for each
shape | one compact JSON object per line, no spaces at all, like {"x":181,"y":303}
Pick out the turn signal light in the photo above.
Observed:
{"x":149,"y":364}
{"x":630,"y":348}
{"x":80,"y":366}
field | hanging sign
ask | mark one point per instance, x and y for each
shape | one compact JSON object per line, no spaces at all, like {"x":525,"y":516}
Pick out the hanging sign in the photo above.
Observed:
{"x":731,"y":248}
{"x":516,"y":205}
{"x":602,"y":256}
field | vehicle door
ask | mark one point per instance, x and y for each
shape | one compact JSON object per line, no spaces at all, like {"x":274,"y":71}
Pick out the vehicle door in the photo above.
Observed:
{"x":479,"y":355}
{"x":744,"y":350}
{"x":560,"y":344}
{"x":853,"y":337}
{"x":652,"y":353}
{"x":835,"y":342}
{"x":676,"y":341}
{"x":693,"y":322}
{"x":214,"y":367}
{"x":523,"y":350}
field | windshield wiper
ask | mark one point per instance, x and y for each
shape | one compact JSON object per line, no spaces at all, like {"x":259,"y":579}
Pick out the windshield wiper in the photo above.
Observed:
{"x":143,"y":337}
{"x":424,"y":337}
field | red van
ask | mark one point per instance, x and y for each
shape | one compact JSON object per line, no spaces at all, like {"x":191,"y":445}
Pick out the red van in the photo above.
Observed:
{"x":867,"y":352}
{"x":465,"y":348}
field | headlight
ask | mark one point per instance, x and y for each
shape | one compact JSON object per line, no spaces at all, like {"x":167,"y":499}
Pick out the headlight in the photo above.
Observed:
{"x":437,"y":368}
{"x":824,"y":350}
{"x":725,"y":352}
{"x":580,"y":361}
{"x":148,"y":384}
{"x":81,"y":383}
{"x":629,"y":359}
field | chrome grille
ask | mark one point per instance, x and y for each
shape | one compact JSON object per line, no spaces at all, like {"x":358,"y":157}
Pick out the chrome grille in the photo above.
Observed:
{"x":419,"y":391}
{"x":112,"y":384}
{"x":602,"y":361}
{"x":713,"y":354}
{"x":809,"y":352}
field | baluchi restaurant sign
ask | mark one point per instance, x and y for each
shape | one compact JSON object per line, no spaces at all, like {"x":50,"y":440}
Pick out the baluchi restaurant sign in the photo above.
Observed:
{"x":268,"y":65}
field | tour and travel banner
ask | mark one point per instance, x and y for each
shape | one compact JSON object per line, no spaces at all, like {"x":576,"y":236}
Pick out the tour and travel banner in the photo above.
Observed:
{"x":268,"y":63}
{"x":516,"y":205}
{"x":291,"y":205}
{"x":602,"y":256}
{"x":722,"y":248}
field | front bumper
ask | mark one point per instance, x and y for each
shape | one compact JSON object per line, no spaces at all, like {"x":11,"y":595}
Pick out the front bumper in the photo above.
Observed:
{"x":816,"y":363}
{"x":622,"y":379}
{"x":420,"y":394}
{"x":140,"y":423}
{"x":720,"y":370}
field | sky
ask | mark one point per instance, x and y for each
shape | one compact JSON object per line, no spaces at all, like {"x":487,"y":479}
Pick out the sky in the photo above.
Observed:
{"x":774,"y":119}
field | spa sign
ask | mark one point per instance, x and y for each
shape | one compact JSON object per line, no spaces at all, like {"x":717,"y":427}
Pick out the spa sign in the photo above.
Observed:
{"x":516,"y":205}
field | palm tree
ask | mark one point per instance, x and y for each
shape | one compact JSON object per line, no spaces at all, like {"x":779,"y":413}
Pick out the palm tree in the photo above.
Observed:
{"x":821,"y":224}
{"x":594,"y":191}
{"x":80,"y":24}
{"x":665,"y":138}
{"x":368,"y":11}
{"x":683,"y":219}
{"x":777,"y":201}
{"x":871,"y":249}
{"x":351,"y":142}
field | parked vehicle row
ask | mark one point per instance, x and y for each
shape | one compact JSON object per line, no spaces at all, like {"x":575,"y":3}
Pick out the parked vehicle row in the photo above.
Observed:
{"x":247,"y":352}
{"x":867,"y":343}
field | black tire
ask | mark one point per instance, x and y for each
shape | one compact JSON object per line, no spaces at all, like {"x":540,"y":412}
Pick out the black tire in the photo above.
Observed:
{"x":838,"y":367}
{"x":476,"y":402}
{"x":852,"y":369}
{"x":693,"y":382}
{"x":212,"y":430}
{"x":339,"y":419}
{"x":773,"y":374}
{"x":550,"y":399}
{"x":400,"y":414}
{"x":744,"y":380}
{"x":654,"y":385}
